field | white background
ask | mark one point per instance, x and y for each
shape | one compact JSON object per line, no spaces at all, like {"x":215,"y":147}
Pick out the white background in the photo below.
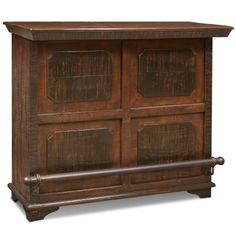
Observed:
{"x":168,"y":214}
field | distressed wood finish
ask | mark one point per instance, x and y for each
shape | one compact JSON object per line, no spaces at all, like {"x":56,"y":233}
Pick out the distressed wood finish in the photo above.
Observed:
{"x":99,"y":117}
{"x":166,"y":73}
{"x":90,"y":72}
{"x":84,"y":150}
{"x":21,"y":58}
{"x":168,"y":76}
{"x":166,"y":143}
{"x":82,"y":76}
{"x":115,"y":30}
{"x":167,"y":139}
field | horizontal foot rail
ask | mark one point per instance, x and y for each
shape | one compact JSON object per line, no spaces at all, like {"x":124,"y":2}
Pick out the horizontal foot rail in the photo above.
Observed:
{"x":37,"y":179}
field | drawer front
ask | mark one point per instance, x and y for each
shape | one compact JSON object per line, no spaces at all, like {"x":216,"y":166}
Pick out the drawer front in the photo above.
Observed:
{"x":165,"y":71}
{"x":79,"y":147}
{"x":78,"y":76}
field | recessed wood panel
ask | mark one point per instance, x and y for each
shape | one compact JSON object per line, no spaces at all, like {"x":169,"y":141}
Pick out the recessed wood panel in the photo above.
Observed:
{"x":166,"y":143}
{"x":167,"y":139}
{"x":79,"y":150}
{"x":78,"y":76}
{"x":166,"y":73}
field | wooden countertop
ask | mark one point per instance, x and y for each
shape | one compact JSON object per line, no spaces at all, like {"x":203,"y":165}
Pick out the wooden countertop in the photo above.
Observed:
{"x":115,"y":30}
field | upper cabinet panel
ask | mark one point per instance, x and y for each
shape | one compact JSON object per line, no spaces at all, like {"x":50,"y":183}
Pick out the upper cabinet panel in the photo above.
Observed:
{"x":165,"y":72}
{"x":78,"y":76}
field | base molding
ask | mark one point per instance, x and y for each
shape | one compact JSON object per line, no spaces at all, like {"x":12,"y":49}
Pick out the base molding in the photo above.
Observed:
{"x":38,"y":211}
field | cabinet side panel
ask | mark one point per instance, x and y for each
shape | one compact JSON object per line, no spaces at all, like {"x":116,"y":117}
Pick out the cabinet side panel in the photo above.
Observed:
{"x":20,"y":112}
{"x":208,"y":100}
{"x":208,"y":97}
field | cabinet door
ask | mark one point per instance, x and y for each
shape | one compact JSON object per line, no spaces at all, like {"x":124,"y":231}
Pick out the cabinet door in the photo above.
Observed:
{"x":165,"y":71}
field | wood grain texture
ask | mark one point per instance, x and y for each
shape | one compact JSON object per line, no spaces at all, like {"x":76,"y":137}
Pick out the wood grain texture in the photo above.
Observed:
{"x":163,"y":110}
{"x":21,"y":111}
{"x":166,"y":73}
{"x":79,"y":150}
{"x":168,"y":78}
{"x":79,"y":76}
{"x":166,"y":143}
{"x":134,"y":112}
{"x":208,"y":97}
{"x":160,"y":144}
{"x":82,"y":76}
{"x":115,"y":30}
{"x":79,"y":146}
{"x":32,"y":99}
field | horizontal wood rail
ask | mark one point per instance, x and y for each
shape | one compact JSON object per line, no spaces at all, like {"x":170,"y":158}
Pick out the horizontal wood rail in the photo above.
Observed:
{"x":51,"y":118}
{"x":35,"y":180}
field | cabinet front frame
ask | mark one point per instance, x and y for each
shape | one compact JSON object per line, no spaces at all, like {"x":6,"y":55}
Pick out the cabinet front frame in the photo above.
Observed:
{"x":128,"y":112}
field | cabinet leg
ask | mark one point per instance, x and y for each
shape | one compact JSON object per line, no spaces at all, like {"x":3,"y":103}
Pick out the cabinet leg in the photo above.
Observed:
{"x":39,"y":214}
{"x":202,"y":193}
{"x":13,"y":197}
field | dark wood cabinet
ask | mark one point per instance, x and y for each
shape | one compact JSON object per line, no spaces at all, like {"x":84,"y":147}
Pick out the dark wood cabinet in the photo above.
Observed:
{"x":109,"y":110}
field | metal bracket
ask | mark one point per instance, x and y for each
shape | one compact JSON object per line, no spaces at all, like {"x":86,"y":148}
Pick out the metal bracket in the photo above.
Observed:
{"x":34,"y":183}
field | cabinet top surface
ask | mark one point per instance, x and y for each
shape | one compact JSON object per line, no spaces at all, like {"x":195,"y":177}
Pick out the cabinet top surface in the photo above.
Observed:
{"x":115,"y":30}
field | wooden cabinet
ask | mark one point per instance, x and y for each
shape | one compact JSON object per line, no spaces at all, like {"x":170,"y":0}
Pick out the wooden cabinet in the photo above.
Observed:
{"x":110,"y":110}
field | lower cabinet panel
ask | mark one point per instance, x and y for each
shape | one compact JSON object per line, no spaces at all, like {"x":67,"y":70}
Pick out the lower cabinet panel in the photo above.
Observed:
{"x":79,"y":150}
{"x":166,"y":139}
{"x":95,"y":145}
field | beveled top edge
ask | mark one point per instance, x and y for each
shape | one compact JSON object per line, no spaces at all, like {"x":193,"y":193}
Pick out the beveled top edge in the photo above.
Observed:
{"x":113,"y":25}
{"x":120,"y":30}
